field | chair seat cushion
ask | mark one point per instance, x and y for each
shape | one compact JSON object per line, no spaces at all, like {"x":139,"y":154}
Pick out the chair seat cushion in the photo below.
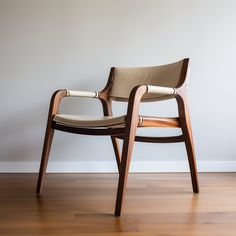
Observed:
{"x":89,"y":121}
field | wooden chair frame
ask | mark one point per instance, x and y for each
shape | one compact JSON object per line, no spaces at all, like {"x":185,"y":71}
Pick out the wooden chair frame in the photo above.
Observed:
{"x":127,"y":132}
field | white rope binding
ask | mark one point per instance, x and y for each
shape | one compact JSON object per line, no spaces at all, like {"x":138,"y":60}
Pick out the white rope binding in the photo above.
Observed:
{"x":73,"y":93}
{"x":161,"y":90}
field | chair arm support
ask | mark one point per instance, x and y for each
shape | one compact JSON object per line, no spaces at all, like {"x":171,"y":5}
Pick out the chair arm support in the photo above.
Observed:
{"x":55,"y":102}
{"x":87,"y":94}
{"x":161,"y":90}
{"x":59,"y":94}
{"x":138,"y":92}
{"x":134,"y":103}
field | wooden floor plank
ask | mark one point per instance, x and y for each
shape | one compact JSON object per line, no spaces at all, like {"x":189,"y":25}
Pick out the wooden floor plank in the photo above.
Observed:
{"x":83,"y":204}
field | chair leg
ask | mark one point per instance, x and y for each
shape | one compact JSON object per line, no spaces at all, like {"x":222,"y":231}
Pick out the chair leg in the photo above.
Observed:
{"x":124,"y":170}
{"x":116,"y":147}
{"x":187,"y":133}
{"x":45,"y":156}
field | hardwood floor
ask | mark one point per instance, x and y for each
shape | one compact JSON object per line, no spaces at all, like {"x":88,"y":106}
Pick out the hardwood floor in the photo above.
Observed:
{"x":83,"y":204}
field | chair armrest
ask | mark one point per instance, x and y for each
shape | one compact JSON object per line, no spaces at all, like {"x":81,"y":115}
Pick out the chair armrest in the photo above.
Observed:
{"x":60,"y":94}
{"x":87,"y":94}
{"x":161,"y":90}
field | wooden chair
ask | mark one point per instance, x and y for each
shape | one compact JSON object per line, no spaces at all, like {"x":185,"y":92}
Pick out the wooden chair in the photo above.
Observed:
{"x":132,"y":85}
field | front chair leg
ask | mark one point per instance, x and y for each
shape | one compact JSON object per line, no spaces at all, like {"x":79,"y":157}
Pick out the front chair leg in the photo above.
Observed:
{"x":130,"y":133}
{"x":124,"y":170}
{"x":45,"y":156}
{"x":54,"y":107}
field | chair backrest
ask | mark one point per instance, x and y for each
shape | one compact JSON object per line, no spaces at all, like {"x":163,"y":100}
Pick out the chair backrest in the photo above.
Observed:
{"x":125,"y":79}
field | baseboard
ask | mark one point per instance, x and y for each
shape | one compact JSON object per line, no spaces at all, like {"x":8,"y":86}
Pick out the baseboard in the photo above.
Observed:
{"x":110,"y":167}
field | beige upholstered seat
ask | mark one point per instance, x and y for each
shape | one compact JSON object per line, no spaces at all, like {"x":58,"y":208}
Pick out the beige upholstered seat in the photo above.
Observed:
{"x":89,"y":121}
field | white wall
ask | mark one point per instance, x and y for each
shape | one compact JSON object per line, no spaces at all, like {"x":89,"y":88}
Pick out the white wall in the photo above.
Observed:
{"x":51,"y":44}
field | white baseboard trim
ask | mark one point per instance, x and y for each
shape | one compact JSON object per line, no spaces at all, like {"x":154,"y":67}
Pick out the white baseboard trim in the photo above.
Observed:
{"x":110,"y":167}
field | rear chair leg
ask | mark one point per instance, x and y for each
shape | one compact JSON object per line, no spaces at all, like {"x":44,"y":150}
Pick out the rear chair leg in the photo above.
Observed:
{"x":45,"y":156}
{"x":116,"y":148}
{"x":187,"y":133}
{"x":191,"y":157}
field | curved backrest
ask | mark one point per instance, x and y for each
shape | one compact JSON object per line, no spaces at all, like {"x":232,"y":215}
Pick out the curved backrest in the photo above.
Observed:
{"x":125,"y":79}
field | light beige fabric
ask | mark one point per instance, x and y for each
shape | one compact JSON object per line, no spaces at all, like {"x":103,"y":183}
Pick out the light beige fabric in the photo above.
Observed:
{"x":73,"y":93}
{"x":125,"y":79}
{"x":89,"y":121}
